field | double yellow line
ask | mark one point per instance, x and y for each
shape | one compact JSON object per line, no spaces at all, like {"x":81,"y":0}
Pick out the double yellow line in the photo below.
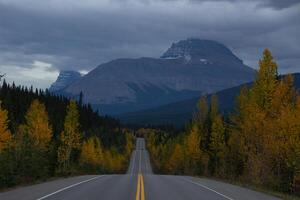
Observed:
{"x":140,"y":190}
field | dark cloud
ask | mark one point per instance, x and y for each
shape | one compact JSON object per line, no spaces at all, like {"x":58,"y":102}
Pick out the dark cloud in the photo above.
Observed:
{"x":276,"y":4}
{"x":280,"y":4}
{"x":84,"y":34}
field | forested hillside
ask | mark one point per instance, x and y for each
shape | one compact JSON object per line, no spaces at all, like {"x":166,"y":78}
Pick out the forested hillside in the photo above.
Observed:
{"x":258,"y":144}
{"x":42,"y":136}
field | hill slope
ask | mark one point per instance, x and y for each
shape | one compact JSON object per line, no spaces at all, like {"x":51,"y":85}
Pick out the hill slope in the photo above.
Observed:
{"x":179,"y":113}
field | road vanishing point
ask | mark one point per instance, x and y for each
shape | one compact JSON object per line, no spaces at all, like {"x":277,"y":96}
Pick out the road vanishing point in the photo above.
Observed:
{"x":139,"y":183}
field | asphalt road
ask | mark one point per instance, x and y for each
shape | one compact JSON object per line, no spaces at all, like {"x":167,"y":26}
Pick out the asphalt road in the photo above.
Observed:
{"x":139,"y":183}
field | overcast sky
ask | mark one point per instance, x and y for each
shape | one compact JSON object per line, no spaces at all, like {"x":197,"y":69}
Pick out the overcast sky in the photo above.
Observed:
{"x":39,"y":38}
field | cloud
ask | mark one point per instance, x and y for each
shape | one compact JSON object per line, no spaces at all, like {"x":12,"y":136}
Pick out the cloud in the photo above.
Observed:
{"x":276,"y":4}
{"x":280,"y":4}
{"x":38,"y":74}
{"x":82,"y":34}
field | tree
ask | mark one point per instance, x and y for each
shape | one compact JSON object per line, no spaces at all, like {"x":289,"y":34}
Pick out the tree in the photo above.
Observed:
{"x":175,"y":163}
{"x":5,"y":135}
{"x":201,"y":120}
{"x":213,"y":107}
{"x":264,"y":124}
{"x":129,"y":144}
{"x":37,"y":125}
{"x":70,"y":138}
{"x":195,"y":161}
{"x":265,"y":83}
{"x":217,"y":144}
{"x":91,"y":156}
{"x":32,"y":143}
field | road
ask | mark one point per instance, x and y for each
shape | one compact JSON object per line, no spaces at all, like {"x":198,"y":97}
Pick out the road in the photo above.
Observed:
{"x":139,"y":183}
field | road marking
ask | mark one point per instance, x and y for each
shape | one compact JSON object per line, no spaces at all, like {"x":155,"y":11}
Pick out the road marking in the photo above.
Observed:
{"x":140,"y":189}
{"x":133,"y":162}
{"x":203,"y":186}
{"x":68,"y":187}
{"x":146,"y":162}
{"x":140,"y":162}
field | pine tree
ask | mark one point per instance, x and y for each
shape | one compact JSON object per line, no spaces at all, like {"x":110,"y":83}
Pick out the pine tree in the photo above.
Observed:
{"x":5,"y":135}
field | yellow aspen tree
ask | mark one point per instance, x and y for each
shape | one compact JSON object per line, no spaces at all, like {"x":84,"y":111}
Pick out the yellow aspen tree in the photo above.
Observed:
{"x":202,"y":114}
{"x":252,"y":119}
{"x":5,"y":135}
{"x":283,"y":146}
{"x":266,"y":81}
{"x":201,"y":120}
{"x":213,"y":107}
{"x":91,"y":153}
{"x":37,"y":125}
{"x":193,"y":153}
{"x":70,"y":138}
{"x":217,"y":144}
{"x":176,"y":160}
{"x":129,"y":144}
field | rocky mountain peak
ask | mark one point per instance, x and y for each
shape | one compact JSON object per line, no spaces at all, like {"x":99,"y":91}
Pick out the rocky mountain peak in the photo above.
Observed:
{"x":202,"y":50}
{"x":64,"y":79}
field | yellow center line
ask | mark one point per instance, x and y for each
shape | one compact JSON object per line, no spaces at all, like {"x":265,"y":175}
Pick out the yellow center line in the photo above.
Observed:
{"x":140,"y":190}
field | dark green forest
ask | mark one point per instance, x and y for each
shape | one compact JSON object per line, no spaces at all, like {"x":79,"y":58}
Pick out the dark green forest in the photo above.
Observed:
{"x":44,"y":135}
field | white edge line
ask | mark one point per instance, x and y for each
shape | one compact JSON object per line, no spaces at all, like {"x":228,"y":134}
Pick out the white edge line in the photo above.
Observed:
{"x":68,"y":187}
{"x":133,"y":162}
{"x":140,"y":162}
{"x":223,"y":195}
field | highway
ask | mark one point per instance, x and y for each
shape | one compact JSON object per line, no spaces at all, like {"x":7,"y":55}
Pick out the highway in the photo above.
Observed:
{"x":138,"y":184}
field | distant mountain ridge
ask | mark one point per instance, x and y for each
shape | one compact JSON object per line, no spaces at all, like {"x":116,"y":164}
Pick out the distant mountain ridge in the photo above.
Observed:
{"x":187,"y":69}
{"x":181,"y":112}
{"x":64,"y":79}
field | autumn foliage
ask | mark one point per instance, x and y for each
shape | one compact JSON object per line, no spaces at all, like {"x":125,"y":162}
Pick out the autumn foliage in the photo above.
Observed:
{"x":5,"y":135}
{"x":258,"y":143}
{"x":33,"y":152}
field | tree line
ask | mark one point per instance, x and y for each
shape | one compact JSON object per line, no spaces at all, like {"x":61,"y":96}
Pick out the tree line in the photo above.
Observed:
{"x":259,"y":143}
{"x":43,"y":135}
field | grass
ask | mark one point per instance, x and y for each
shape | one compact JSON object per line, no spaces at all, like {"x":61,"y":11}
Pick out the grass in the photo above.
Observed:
{"x":265,"y":190}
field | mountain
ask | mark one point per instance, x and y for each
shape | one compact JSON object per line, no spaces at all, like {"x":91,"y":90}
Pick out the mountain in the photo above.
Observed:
{"x":187,"y":69}
{"x":64,"y":79}
{"x":179,"y":113}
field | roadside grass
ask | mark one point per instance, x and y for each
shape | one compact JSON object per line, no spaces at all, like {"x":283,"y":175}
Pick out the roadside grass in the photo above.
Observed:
{"x":261,"y":189}
{"x":40,"y":181}
{"x":31,"y":183}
